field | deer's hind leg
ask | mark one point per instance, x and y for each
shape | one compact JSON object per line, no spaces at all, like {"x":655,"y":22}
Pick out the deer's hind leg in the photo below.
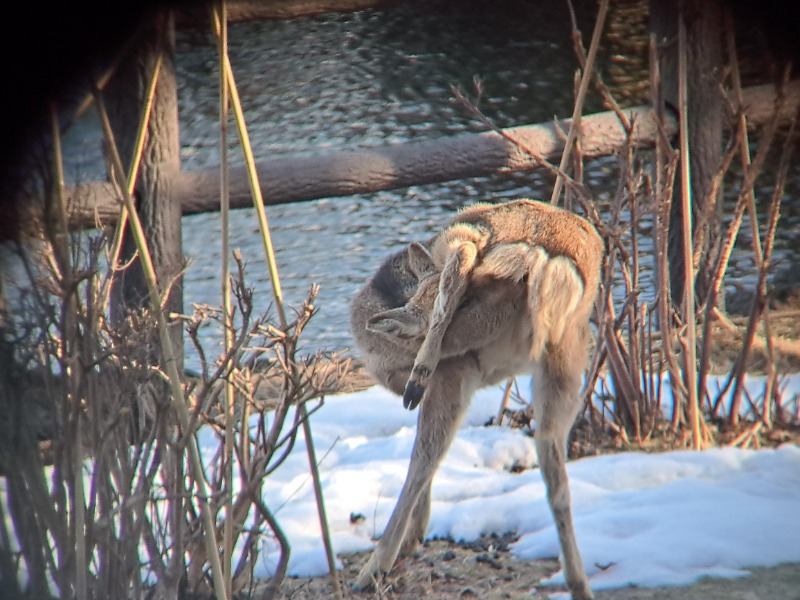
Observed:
{"x":449,"y":393}
{"x":557,"y":383}
{"x":453,"y":282}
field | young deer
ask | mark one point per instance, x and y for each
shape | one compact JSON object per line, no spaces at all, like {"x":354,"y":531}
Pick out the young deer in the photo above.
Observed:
{"x":504,"y":290}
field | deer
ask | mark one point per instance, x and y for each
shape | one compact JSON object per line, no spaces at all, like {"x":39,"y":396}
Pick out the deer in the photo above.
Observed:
{"x":504,"y":289}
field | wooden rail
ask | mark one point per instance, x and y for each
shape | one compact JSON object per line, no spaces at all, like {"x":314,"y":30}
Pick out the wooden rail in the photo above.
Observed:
{"x":356,"y":170}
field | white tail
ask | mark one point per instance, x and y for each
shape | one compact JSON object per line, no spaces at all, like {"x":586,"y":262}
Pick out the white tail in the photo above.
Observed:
{"x":504,"y":290}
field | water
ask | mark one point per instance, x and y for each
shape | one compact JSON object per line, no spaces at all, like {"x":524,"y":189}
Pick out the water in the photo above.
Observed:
{"x":363,"y":78}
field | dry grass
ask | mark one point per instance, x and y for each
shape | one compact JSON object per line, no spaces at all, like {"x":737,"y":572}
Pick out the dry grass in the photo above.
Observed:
{"x":486,"y":570}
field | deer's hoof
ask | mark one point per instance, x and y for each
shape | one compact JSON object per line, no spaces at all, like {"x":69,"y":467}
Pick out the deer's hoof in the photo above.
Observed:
{"x":359,"y":586}
{"x":368,"y":578}
{"x":413,"y":395}
{"x":582,"y":592}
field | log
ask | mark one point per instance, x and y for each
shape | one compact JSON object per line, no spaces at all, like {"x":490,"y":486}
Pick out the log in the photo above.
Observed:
{"x":346,"y":172}
{"x":343,"y":172}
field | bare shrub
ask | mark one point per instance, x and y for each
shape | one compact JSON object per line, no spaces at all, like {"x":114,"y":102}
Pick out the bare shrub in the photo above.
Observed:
{"x":99,"y":499}
{"x":650,"y":372}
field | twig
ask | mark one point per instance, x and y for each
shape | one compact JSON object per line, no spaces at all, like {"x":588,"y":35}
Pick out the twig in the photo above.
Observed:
{"x":504,"y":401}
{"x":744,"y":438}
{"x":323,"y":519}
{"x":759,"y":299}
{"x":548,"y":166}
{"x":273,"y":586}
{"x":600,"y":86}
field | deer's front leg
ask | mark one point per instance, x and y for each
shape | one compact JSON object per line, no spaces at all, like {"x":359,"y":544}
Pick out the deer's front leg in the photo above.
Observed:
{"x":453,"y":283}
{"x":450,"y":392}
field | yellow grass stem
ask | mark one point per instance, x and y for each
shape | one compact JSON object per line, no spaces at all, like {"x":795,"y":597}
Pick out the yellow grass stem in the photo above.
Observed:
{"x":133,"y":173}
{"x":255,"y":188}
{"x":227,"y":307}
{"x":61,"y":234}
{"x":258,"y":201}
{"x":586,"y":77}
{"x":104,"y":78}
{"x":178,"y":402}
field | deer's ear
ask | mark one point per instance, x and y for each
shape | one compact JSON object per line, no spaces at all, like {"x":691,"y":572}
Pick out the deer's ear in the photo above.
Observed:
{"x":402,"y":323}
{"x":420,"y":260}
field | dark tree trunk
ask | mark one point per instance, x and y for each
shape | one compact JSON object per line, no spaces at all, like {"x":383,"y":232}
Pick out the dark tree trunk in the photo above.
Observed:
{"x":705,"y":114}
{"x":155,"y":200}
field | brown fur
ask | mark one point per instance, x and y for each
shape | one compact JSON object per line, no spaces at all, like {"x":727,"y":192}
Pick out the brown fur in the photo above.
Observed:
{"x":504,"y":290}
{"x":560,"y":244}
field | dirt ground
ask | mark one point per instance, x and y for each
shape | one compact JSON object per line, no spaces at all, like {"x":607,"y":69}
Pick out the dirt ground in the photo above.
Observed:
{"x":444,"y":570}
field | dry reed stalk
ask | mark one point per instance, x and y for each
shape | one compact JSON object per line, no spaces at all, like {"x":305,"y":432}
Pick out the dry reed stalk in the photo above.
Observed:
{"x":699,"y":432}
{"x":177,"y":402}
{"x":666,"y":168}
{"x":130,"y":180}
{"x":104,"y":78}
{"x":64,"y":273}
{"x":577,"y":110}
{"x":759,"y":304}
{"x":741,"y":125}
{"x":608,"y":99}
{"x":745,"y":153}
{"x":227,"y":309}
{"x":713,"y":297}
{"x":258,"y":201}
{"x":749,"y":180}
{"x":252,"y":174}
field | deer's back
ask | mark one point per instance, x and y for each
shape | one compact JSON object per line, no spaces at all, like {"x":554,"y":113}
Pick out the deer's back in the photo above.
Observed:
{"x":558,"y":231}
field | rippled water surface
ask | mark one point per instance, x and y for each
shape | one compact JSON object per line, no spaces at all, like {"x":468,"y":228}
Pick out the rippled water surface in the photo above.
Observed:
{"x":364,"y":78}
{"x":370,"y":77}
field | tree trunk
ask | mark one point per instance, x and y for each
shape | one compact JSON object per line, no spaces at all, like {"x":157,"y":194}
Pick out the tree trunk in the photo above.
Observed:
{"x":705,"y":114}
{"x":159,"y":210}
